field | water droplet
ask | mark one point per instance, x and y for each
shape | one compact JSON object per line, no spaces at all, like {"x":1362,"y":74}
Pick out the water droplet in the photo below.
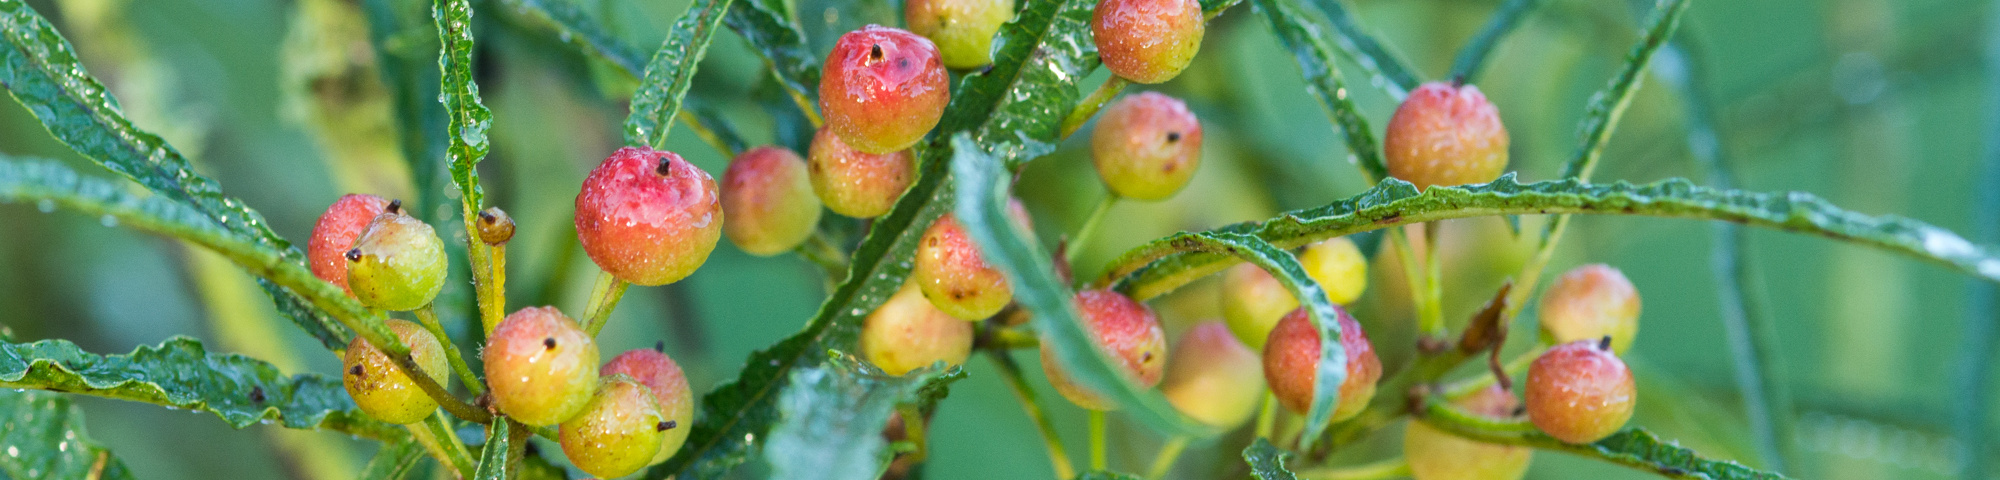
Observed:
{"x":108,"y":221}
{"x":46,"y":206}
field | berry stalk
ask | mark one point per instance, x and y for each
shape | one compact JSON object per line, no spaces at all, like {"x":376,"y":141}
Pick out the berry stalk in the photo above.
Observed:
{"x":1163,"y":462}
{"x":1091,"y":104}
{"x":1098,"y":459}
{"x":604,"y":296}
{"x":1089,"y":228}
{"x":914,"y":432}
{"x":437,"y":437}
{"x":427,"y":317}
{"x":1058,"y":458}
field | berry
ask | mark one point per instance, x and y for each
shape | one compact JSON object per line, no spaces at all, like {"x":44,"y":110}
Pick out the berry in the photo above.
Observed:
{"x":494,"y":226}
{"x":397,"y":264}
{"x":1589,"y":302}
{"x":669,"y":385}
{"x":1580,"y":392}
{"x":335,"y":233}
{"x":541,"y":366}
{"x":1213,"y":377}
{"x":856,"y":183}
{"x":907,"y":333}
{"x":380,"y":389}
{"x":953,"y":274}
{"x":1445,"y":135}
{"x":1436,"y":455}
{"x":1126,"y":330}
{"x":883,"y":89}
{"x":647,"y":216}
{"x":963,"y":29}
{"x":1291,"y":364}
{"x":618,"y":433}
{"x":1252,"y":302}
{"x":1147,"y":146}
{"x":1339,"y":268}
{"x":769,"y":201}
{"x":1147,"y":41}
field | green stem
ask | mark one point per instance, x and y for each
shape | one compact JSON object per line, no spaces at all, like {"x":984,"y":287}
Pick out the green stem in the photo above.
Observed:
{"x":1413,"y":275}
{"x":1391,"y":468}
{"x":706,"y":134}
{"x":1089,"y":228}
{"x":604,"y":297}
{"x":821,"y":251}
{"x":1091,"y":104}
{"x":1433,"y":319}
{"x":493,"y":292}
{"x":1164,"y":461}
{"x":1267,"y":416}
{"x":1026,"y":394}
{"x":436,"y":435}
{"x":1099,"y":461}
{"x":1472,"y":57}
{"x":428,"y":317}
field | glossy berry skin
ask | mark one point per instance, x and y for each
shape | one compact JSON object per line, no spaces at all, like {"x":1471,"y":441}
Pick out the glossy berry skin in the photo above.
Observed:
{"x":954,"y":275}
{"x":1436,"y":455}
{"x":883,"y":89}
{"x":1213,"y":377}
{"x":769,"y":201}
{"x":648,"y":217}
{"x":669,"y":386}
{"x":962,"y":29}
{"x":855,"y":183}
{"x":383,"y":391}
{"x":1126,"y":330}
{"x":397,"y":264}
{"x":1147,"y":41}
{"x":1147,"y":146}
{"x":541,"y":366}
{"x":1591,"y":302}
{"x":1252,"y":303}
{"x":907,"y":333}
{"x":1338,"y":266}
{"x":1580,"y":392}
{"x":335,"y":233}
{"x":1445,"y":135}
{"x":618,"y":433}
{"x":1291,"y":364}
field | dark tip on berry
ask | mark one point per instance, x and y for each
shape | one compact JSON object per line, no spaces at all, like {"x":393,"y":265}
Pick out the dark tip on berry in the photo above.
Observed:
{"x":354,"y":255}
{"x":532,"y":450}
{"x":486,"y":216}
{"x":356,"y":371}
{"x":660,"y":346}
{"x":875,"y":53}
{"x":902,"y":64}
{"x":1173,"y":137}
{"x":1146,"y":357}
{"x":666,"y":425}
{"x":395,"y":206}
{"x":1604,"y":343}
{"x":1520,"y":410}
{"x":257,"y":394}
{"x":549,"y":343}
{"x":666,"y":166}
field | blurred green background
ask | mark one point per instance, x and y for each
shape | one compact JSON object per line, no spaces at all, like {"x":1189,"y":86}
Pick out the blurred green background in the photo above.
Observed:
{"x":1873,"y":104}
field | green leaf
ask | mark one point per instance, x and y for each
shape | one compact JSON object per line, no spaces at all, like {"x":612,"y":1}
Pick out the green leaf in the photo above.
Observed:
{"x":783,"y":44}
{"x":468,"y":119}
{"x":1386,"y":70}
{"x":1105,"y":475}
{"x":981,"y":183}
{"x":44,"y":438}
{"x":833,"y":416}
{"x":1015,"y":109}
{"x":1162,"y":265}
{"x":40,"y":69}
{"x":181,"y":374}
{"x":671,"y":72}
{"x":1631,"y":447}
{"x":1266,"y":461}
{"x":578,"y":28}
{"x":1315,"y":59}
{"x":1608,"y":106}
{"x":1472,"y":57}
{"x":493,"y":456}
{"x":393,"y":461}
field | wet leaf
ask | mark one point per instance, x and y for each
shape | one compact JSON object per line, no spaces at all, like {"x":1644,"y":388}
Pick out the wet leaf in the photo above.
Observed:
{"x":1267,"y":462}
{"x":467,"y":118}
{"x":493,"y":456}
{"x":44,"y":438}
{"x":671,"y":72}
{"x":1315,"y":59}
{"x":833,"y":415}
{"x":393,"y":460}
{"x":1631,"y":447}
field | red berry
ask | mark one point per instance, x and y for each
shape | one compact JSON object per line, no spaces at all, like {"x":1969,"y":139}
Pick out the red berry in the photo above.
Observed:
{"x":335,"y":233}
{"x":954,"y":275}
{"x":1126,"y":330}
{"x":907,"y":333}
{"x":1147,"y":146}
{"x":1147,"y":41}
{"x":1291,"y":364}
{"x":382,"y":390}
{"x":397,"y":264}
{"x":769,"y":201}
{"x":541,"y":366}
{"x":669,"y":386}
{"x":647,"y":216}
{"x":1580,"y":392}
{"x":1446,"y":135}
{"x":618,"y":433}
{"x":1213,"y":377}
{"x":963,"y":29}
{"x":1591,"y":302}
{"x":855,"y":183}
{"x":1436,"y":455}
{"x":884,"y":88}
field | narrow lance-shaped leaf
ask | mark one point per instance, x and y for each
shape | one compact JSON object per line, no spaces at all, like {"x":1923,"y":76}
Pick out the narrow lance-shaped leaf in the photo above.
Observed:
{"x":783,"y":45}
{"x":671,"y":72}
{"x":493,"y":457}
{"x":40,"y":69}
{"x":1267,"y":462}
{"x":1631,"y":447}
{"x":982,"y":210}
{"x":577,"y":27}
{"x":833,"y":416}
{"x":1972,"y":392}
{"x":1315,"y":59}
{"x":1471,"y":58}
{"x":45,"y":439}
{"x":1161,"y":266}
{"x":393,"y":460}
{"x":467,"y":118}
{"x":1608,"y":106}
{"x":1385,"y":70}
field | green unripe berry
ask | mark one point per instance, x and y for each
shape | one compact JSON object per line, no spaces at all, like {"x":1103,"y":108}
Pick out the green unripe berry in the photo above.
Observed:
{"x":1291,"y":364}
{"x":669,"y":385}
{"x":1213,"y":377}
{"x":962,"y":29}
{"x":883,"y":89}
{"x":1147,"y":146}
{"x":336,"y":232}
{"x":618,"y":433}
{"x":1436,"y":455}
{"x":1147,"y":41}
{"x":1580,"y":392}
{"x":1338,"y":266}
{"x":541,"y":366}
{"x":856,"y":183}
{"x":1445,"y":135}
{"x":954,"y":275}
{"x":397,"y":264}
{"x":1252,"y":302}
{"x":907,"y":333}
{"x":1590,"y":302}
{"x":769,"y":201}
{"x":1126,"y":330}
{"x":382,"y":390}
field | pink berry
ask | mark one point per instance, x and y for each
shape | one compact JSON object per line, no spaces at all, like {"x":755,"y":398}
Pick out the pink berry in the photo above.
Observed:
{"x":769,"y":201}
{"x":954,"y":275}
{"x":883,"y":89}
{"x":1591,"y":302}
{"x":1213,"y":377}
{"x":647,"y":216}
{"x":335,"y":233}
{"x":1291,"y":364}
{"x":1147,"y":146}
{"x":1580,"y":392}
{"x":541,"y":366}
{"x":669,"y":386}
{"x":1147,"y":41}
{"x":1445,"y":135}
{"x":855,"y":183}
{"x":1126,"y":330}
